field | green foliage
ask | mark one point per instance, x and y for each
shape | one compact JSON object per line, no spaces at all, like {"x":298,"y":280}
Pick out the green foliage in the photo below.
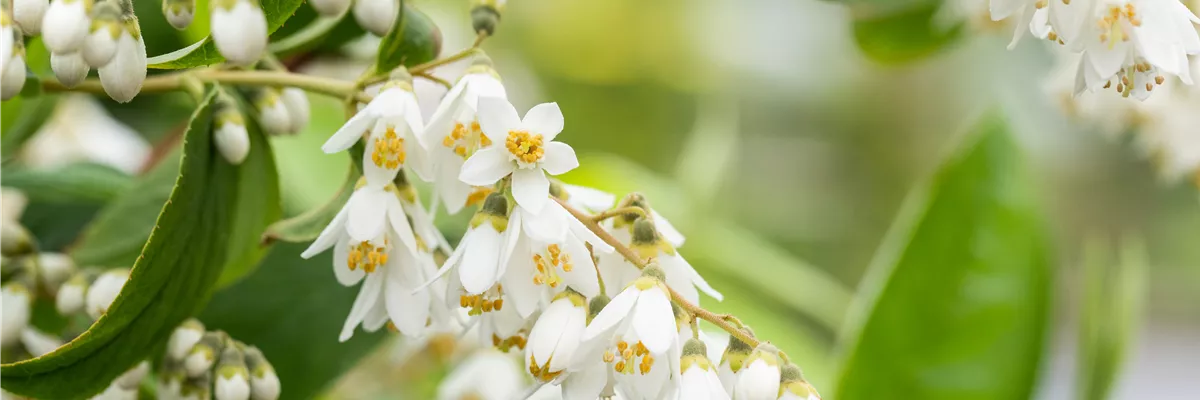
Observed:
{"x":318,"y":33}
{"x":171,"y":280}
{"x":116,"y":236}
{"x":293,"y":309}
{"x":64,"y":199}
{"x":306,"y":227}
{"x":414,"y":39}
{"x":900,"y":35}
{"x":205,"y":52}
{"x":957,"y":300}
{"x":1112,"y":300}
{"x":21,"y":119}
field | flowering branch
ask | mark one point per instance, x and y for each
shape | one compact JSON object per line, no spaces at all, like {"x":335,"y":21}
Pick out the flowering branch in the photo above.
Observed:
{"x":179,"y":81}
{"x":725,"y":322}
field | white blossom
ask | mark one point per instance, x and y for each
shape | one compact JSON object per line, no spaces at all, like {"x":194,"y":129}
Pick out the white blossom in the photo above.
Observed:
{"x":100,"y":45}
{"x":273,"y":113}
{"x":28,"y":14}
{"x":556,"y":335}
{"x":376,"y":16}
{"x":69,"y":68}
{"x":230,"y":135}
{"x":104,"y":290}
{"x":264,"y":383}
{"x":16,"y":302}
{"x":8,"y":41}
{"x":455,"y":124}
{"x":82,"y":130}
{"x":649,"y":243}
{"x":12,"y":79}
{"x":792,"y":385}
{"x":179,"y":12}
{"x":298,"y":108}
{"x":184,"y":338}
{"x":330,"y":8}
{"x":478,"y":262}
{"x":72,"y":295}
{"x":395,"y":124}
{"x":732,"y":360}
{"x":239,"y":29}
{"x":1134,"y":42}
{"x":698,"y":379}
{"x":759,"y":377}
{"x":122,"y":77}
{"x":38,"y":343}
{"x":486,"y":375}
{"x":54,"y":269}
{"x":551,"y":254}
{"x":68,"y":24}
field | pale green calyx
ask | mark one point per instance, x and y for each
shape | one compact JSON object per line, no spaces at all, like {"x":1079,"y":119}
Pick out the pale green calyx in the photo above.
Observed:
{"x":495,"y":210}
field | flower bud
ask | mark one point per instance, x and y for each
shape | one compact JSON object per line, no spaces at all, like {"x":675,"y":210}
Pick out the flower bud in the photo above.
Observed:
{"x":230,"y":134}
{"x":184,"y":338}
{"x":298,"y":108}
{"x":654,"y":271}
{"x":69,"y":68}
{"x":100,"y":45}
{"x":794,"y":387}
{"x":122,"y":77}
{"x":203,"y":355}
{"x":170,"y":383}
{"x":67,"y":25}
{"x":131,"y":379}
{"x":330,"y":8}
{"x":733,"y":359}
{"x":179,"y":12}
{"x":15,"y":241}
{"x":596,"y":304}
{"x":7,"y":40}
{"x":376,"y":16}
{"x":104,"y":290}
{"x":54,"y":269}
{"x":485,"y":15}
{"x":239,"y":29}
{"x":38,"y":343}
{"x":28,"y":14}
{"x":197,"y":388}
{"x":264,"y":384}
{"x":273,"y":114}
{"x":15,"y":299}
{"x":233,"y":379}
{"x":12,"y":79}
{"x":71,"y":295}
{"x":760,"y":375}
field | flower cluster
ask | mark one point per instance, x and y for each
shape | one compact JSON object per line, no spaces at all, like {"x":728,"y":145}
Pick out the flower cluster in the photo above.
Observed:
{"x":531,"y":274}
{"x":201,"y":364}
{"x":1126,"y":45}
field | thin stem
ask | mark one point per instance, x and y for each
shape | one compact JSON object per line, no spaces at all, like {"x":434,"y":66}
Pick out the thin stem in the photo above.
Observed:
{"x":172,"y":82}
{"x":434,"y":79}
{"x":719,"y":320}
{"x":619,"y":212}
{"x":470,"y":51}
{"x":479,"y":38}
{"x":599,"y":277}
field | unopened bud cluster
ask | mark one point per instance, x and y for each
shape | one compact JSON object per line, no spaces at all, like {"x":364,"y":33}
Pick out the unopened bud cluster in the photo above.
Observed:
{"x":211,"y":364}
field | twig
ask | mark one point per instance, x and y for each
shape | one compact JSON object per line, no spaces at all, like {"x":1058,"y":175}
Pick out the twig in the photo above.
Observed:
{"x":618,"y":212}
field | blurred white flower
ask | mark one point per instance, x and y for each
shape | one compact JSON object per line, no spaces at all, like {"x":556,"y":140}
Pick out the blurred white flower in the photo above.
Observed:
{"x":104,"y":290}
{"x":1129,"y":44}
{"x":273,"y":113}
{"x":376,"y":16}
{"x":330,"y":8}
{"x":81,"y":130}
{"x":179,"y":12}
{"x":38,"y":343}
{"x":12,"y":79}
{"x":100,"y":45}
{"x":487,"y":374}
{"x":297,"y":105}
{"x":16,"y":302}
{"x":230,"y":134}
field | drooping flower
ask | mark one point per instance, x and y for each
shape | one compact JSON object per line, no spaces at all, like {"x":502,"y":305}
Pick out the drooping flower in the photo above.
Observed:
{"x":12,"y":78}
{"x":8,"y":32}
{"x":100,"y":45}
{"x":239,"y":29}
{"x":455,"y":124}
{"x":376,"y":16}
{"x":551,"y":254}
{"x":298,"y":108}
{"x":230,"y":135}
{"x":792,"y":385}
{"x":330,"y":8}
{"x":732,"y":360}
{"x":1133,"y":42}
{"x":68,"y":25}
{"x":477,"y":264}
{"x":264,"y":383}
{"x":233,"y":378}
{"x":648,"y":243}
{"x":556,"y":335}
{"x":529,"y":151}
{"x":184,"y":338}
{"x":69,"y":68}
{"x":395,"y":125}
{"x":104,"y":290}
{"x":38,"y":343}
{"x":179,"y":12}
{"x":71,"y":295}
{"x":29,"y":14}
{"x":698,"y":378}
{"x":760,"y":375}
{"x":123,"y":75}
{"x":16,"y":301}
{"x":485,"y":375}
{"x":273,"y":113}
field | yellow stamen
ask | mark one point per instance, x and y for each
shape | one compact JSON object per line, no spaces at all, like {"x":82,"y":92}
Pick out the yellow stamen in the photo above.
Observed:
{"x":388,"y":151}
{"x":525,"y":147}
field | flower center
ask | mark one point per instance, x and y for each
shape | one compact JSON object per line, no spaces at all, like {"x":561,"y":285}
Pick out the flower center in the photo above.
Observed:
{"x":548,"y":263}
{"x":389,"y":150}
{"x":485,"y":302}
{"x":505,"y":344}
{"x":367,"y":255}
{"x":628,"y":356}
{"x":1111,"y":28}
{"x":542,"y":372}
{"x":1129,"y":76}
{"x":525,"y":148}
{"x":465,"y":140}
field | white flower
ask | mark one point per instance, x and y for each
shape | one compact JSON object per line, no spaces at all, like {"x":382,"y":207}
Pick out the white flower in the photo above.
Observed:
{"x":699,"y":377}
{"x":230,"y":135}
{"x":104,"y":290}
{"x":100,"y":46}
{"x":389,"y":293}
{"x":297,"y":105}
{"x":455,"y":125}
{"x":395,"y":123}
{"x":264,"y":383}
{"x":330,"y":8}
{"x":1170,"y":138}
{"x":549,"y":256}
{"x":69,"y":23}
{"x":645,"y":239}
{"x":528,"y":153}
{"x":585,"y":198}
{"x":1133,"y":41}
{"x":54,"y":269}
{"x":184,"y":338}
{"x":116,"y":392}
{"x":71,"y":295}
{"x":486,"y":375}
{"x":792,"y":385}
{"x":273,"y":113}
{"x":28,"y":14}
{"x":478,"y":262}
{"x":732,"y":360}
{"x":203,"y":355}
{"x":12,"y":79}
{"x":179,"y":12}
{"x":38,"y":343}
{"x":759,"y":377}
{"x":69,"y":68}
{"x":122,"y":77}
{"x":233,"y":379}
{"x":7,"y":40}
{"x":16,"y":302}
{"x":642,"y":340}
{"x":239,"y":29}
{"x":81,"y":130}
{"x":376,"y":16}
{"x":556,"y":335}
{"x":132,"y":378}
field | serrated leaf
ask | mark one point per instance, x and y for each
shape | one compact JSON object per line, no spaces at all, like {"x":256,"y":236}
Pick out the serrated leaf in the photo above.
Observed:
{"x":297,"y":325}
{"x":955,"y":304}
{"x":204,"y":52}
{"x":905,"y":34}
{"x":116,"y":236}
{"x":414,"y":39}
{"x":307,"y":226}
{"x":22,"y":118}
{"x":171,"y":280}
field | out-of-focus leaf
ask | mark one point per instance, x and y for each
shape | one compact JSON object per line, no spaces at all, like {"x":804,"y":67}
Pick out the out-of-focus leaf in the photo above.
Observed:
{"x":258,"y":206}
{"x":956,"y":301}
{"x":312,"y":35}
{"x":903,"y":35}
{"x":414,"y":39}
{"x":170,"y":281}
{"x":205,"y":52}
{"x":33,"y":85}
{"x":21,"y":119}
{"x":293,"y":309}
{"x":82,"y":182}
{"x":1113,"y":298}
{"x":306,"y":227}
{"x":116,"y":236}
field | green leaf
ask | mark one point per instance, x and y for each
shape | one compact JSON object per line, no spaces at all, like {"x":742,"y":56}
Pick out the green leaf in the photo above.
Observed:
{"x":204,"y":52}
{"x":904,"y":35}
{"x":72,"y":183}
{"x":116,"y":236}
{"x":414,"y":39}
{"x":956,"y":302}
{"x":170,"y":281}
{"x":315,"y":34}
{"x":21,"y":119}
{"x":1111,"y":313}
{"x":258,"y":205}
{"x":297,"y":325}
{"x":306,"y":227}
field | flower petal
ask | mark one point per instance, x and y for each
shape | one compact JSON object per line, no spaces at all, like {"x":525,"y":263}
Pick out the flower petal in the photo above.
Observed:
{"x":367,"y":297}
{"x":545,"y":119}
{"x":654,"y":321}
{"x":518,"y":280}
{"x":341,"y":266}
{"x":591,"y":199}
{"x":559,"y":159}
{"x":408,"y":310}
{"x":546,"y":333}
{"x":486,"y":166}
{"x":548,"y":226}
{"x":582,"y":276}
{"x":480,"y":263}
{"x":667,"y":230}
{"x":350,"y":132}
{"x":367,"y":205}
{"x":612,"y":314}
{"x":497,"y":117}
{"x":330,"y":235}
{"x":399,"y":221}
{"x":530,"y":188}
{"x":586,"y":384}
